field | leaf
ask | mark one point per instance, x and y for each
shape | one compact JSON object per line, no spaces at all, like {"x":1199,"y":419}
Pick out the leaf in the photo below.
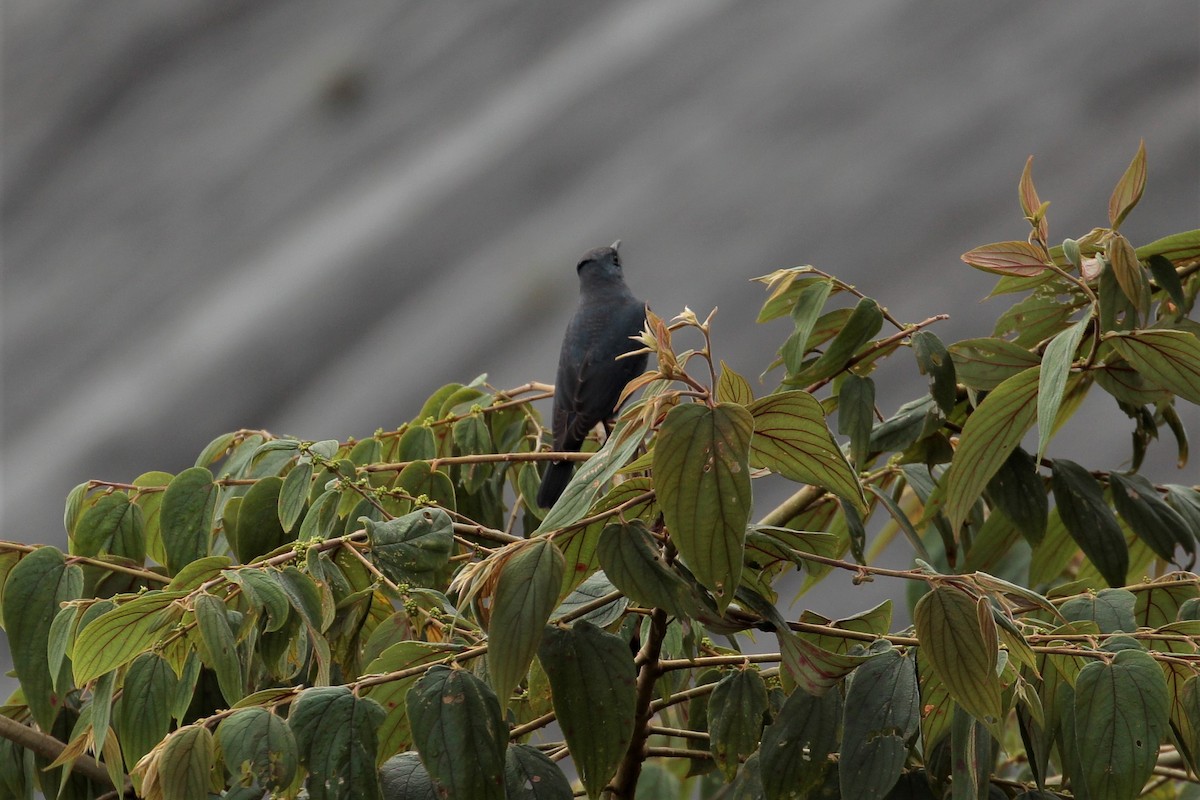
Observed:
{"x":185,"y":762}
{"x":596,"y":586}
{"x":702,"y":482}
{"x":791,"y":438}
{"x":813,"y":668}
{"x":404,"y":777}
{"x":1112,"y":610}
{"x":733,"y":388}
{"x":35,"y":588}
{"x":118,"y":636}
{"x":1157,"y":524}
{"x":114,"y":526}
{"x":1088,"y":519}
{"x":143,"y":716}
{"x":420,"y":478}
{"x":294,"y":494}
{"x":1129,"y":189}
{"x":336,"y":740}
{"x":1034,"y":319}
{"x":526,"y":593}
{"x":990,"y":434}
{"x":411,"y":548}
{"x":1008,"y":258}
{"x":1128,"y":271}
{"x":186,"y":517}
{"x":809,"y":302}
{"x":459,"y":732}
{"x":259,"y":530}
{"x":592,"y":678}
{"x":1186,"y":502}
{"x":856,"y":415}
{"x":864,"y":322}
{"x":796,"y":745}
{"x":1031,"y":204}
{"x":1121,"y":716}
{"x":629,"y":556}
{"x":962,"y":647}
{"x":735,"y":718}
{"x":913,"y":421}
{"x":984,"y":364}
{"x":530,"y":775}
{"x":395,"y":732}
{"x":935,"y":362}
{"x":1176,"y":247}
{"x":1020,"y":493}
{"x":1056,"y":366}
{"x":1167,"y":359}
{"x":881,"y":719}
{"x":221,"y":646}
{"x":579,"y":546}
{"x":258,"y":746}
{"x":593,"y":475}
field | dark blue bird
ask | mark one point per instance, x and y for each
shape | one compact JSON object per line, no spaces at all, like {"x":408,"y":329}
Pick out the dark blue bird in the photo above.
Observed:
{"x":590,"y":376}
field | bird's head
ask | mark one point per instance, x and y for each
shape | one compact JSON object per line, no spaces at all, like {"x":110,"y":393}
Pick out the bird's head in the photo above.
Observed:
{"x":601,"y":267}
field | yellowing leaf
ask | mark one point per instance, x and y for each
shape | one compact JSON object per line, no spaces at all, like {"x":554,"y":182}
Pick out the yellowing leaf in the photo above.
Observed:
{"x":1129,"y":189}
{"x":1009,"y":258}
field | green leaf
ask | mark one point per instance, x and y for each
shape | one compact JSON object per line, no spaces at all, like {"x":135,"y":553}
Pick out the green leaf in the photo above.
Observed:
{"x":733,"y":388}
{"x":216,"y":449}
{"x":813,"y":668}
{"x":404,"y":777}
{"x":459,"y":732}
{"x":143,"y":715}
{"x":1056,"y":366}
{"x":321,"y":519}
{"x":187,"y":517}
{"x":35,"y":588}
{"x":579,"y":546}
{"x":1091,"y":523}
{"x":258,"y":748}
{"x":185,"y":762}
{"x":796,"y":745}
{"x":809,"y":302}
{"x":881,"y":719}
{"x":591,"y":477}
{"x":913,"y":421}
{"x":221,"y":646}
{"x":984,"y":364}
{"x":959,"y":636}
{"x":1020,"y":493}
{"x":1167,"y":359}
{"x":417,"y":444}
{"x":791,"y":438}
{"x":935,"y":362}
{"x":596,"y":586}
{"x":420,"y":478}
{"x":526,"y":593}
{"x":1008,"y":258}
{"x":264,"y":592}
{"x":336,"y":740}
{"x":1129,"y":189}
{"x":702,"y":481}
{"x":735,"y":718}
{"x":629,"y":556}
{"x":1157,"y":524}
{"x":1186,"y":502}
{"x":592,"y":678}
{"x":294,"y":494}
{"x":991,"y":433}
{"x":113,"y":526}
{"x":118,"y":636}
{"x":1112,"y":610}
{"x":1034,"y":319}
{"x":410,"y":549}
{"x":1176,"y":247}
{"x":395,"y":733}
{"x":259,"y":530}
{"x":530,"y":775}
{"x":1122,"y":712}
{"x":860,"y":328}
{"x":856,"y":415}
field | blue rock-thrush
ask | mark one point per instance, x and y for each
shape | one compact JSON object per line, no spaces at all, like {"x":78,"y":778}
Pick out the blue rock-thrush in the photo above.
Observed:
{"x":590,"y":374}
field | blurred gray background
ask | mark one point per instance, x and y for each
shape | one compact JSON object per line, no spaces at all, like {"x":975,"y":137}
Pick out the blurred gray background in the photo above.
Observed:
{"x":305,"y":216}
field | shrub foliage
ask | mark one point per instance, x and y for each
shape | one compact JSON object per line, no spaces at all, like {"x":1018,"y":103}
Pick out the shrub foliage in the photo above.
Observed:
{"x":392,"y":616}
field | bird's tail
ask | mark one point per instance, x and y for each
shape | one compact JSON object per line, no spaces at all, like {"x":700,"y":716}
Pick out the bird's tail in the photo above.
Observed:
{"x":556,"y":478}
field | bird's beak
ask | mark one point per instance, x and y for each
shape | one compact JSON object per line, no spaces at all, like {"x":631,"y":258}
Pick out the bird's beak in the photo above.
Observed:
{"x":616,"y":245}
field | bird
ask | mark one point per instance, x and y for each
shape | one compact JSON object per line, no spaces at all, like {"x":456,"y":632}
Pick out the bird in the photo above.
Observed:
{"x":590,"y":373}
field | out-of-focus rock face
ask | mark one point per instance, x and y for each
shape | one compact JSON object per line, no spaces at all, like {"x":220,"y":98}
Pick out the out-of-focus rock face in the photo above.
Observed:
{"x":305,"y":216}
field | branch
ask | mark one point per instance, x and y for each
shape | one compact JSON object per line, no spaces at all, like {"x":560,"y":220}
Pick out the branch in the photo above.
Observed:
{"x":624,"y":785}
{"x":50,"y":748}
